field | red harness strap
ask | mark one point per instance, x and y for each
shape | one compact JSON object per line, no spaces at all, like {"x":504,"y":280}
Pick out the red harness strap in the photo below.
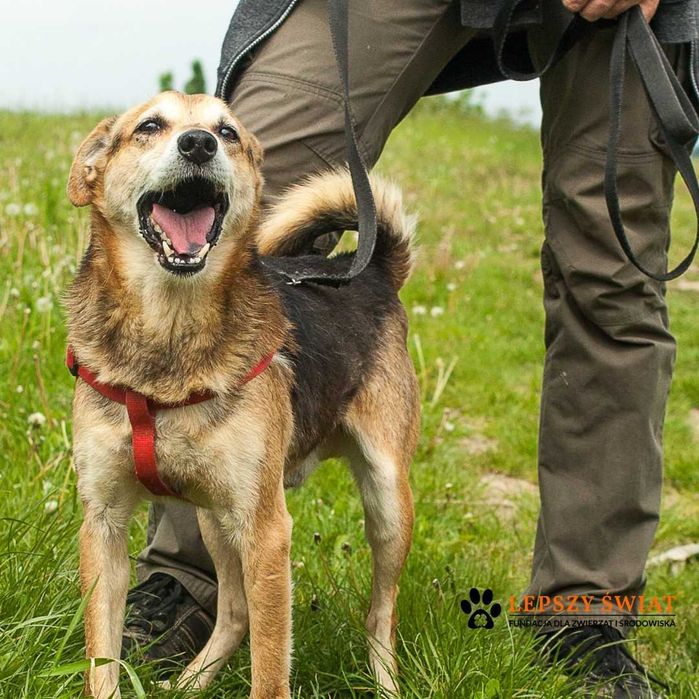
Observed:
{"x":142,"y":411}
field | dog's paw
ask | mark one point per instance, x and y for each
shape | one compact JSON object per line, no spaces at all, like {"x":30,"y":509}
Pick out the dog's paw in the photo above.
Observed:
{"x":480,"y":614}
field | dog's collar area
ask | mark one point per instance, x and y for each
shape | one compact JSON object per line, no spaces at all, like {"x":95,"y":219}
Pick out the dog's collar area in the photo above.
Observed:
{"x":142,"y":411}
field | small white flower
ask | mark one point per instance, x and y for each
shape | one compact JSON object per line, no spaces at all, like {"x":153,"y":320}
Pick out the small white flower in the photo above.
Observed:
{"x":451,"y":286}
{"x":20,"y":388}
{"x":419,"y":310}
{"x":14,"y":292}
{"x":37,"y":419}
{"x":36,"y":345}
{"x":13,"y":209}
{"x":449,"y":426}
{"x":436,"y":311}
{"x":459,"y":264}
{"x":31,"y":209}
{"x":50,"y":506}
{"x":44,"y":304}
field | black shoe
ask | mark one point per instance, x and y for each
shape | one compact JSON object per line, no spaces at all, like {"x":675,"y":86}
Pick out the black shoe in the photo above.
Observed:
{"x":600,"y":654}
{"x":165,"y":623}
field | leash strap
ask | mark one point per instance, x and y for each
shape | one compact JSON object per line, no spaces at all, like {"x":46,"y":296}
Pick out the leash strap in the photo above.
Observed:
{"x":141,"y":412}
{"x":673,"y":110}
{"x":366,"y":208}
{"x":501,"y":31}
{"x":675,"y":114}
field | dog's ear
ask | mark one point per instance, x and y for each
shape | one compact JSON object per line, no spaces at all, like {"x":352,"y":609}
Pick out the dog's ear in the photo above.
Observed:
{"x":84,"y":170}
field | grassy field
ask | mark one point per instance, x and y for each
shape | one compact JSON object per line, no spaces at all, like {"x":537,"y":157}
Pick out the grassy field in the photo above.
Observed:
{"x":476,"y":338}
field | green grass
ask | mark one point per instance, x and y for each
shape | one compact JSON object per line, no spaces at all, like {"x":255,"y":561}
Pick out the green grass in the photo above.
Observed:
{"x":474,"y":304}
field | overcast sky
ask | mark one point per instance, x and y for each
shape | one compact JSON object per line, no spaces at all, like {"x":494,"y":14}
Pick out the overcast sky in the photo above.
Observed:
{"x":83,"y":54}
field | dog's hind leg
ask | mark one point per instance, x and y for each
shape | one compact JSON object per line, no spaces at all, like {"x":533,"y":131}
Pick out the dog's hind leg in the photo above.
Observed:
{"x":383,"y":423}
{"x":104,"y":577}
{"x":232,"y":608}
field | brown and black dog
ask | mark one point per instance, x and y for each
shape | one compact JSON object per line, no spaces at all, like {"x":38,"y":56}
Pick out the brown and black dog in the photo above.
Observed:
{"x":174,"y":298}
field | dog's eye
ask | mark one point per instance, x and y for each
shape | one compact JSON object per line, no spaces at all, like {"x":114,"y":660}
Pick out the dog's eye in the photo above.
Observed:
{"x":149,"y":126}
{"x":228,"y":132}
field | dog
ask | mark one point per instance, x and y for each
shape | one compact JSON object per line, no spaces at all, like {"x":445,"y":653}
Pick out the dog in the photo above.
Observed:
{"x":203,"y":374}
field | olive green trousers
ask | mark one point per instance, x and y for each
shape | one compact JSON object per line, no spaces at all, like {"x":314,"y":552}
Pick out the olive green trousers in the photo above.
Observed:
{"x":609,"y":353}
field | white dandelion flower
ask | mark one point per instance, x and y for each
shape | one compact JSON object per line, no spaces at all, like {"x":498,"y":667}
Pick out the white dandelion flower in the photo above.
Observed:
{"x":419,"y":310}
{"x":13,"y":209}
{"x":50,"y":506}
{"x":37,"y":419}
{"x":451,"y":286}
{"x":19,"y":389}
{"x":31,"y":209}
{"x":44,"y":304}
{"x":436,"y":311}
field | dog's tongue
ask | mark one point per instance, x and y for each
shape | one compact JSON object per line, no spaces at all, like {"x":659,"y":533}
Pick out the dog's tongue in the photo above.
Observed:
{"x":187,"y":232}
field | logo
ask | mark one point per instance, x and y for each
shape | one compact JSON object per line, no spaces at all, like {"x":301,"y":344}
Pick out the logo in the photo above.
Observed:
{"x":481,"y":613}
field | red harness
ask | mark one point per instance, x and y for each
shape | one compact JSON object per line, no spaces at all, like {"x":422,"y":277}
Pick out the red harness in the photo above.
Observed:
{"x":142,"y":411}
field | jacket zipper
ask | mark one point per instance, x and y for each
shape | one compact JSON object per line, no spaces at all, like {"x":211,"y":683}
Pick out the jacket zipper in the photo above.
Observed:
{"x":235,"y":60}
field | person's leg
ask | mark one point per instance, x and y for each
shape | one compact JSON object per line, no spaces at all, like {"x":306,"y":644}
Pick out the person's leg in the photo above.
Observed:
{"x":609,"y":352}
{"x":289,"y":96}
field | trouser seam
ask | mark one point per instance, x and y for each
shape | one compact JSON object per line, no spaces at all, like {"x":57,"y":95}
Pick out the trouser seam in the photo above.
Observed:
{"x":600,"y":155}
{"x":308,"y":87}
{"x":300,"y":83}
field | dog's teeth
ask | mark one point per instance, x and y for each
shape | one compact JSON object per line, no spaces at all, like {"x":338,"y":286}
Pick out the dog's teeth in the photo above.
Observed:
{"x":178,"y":260}
{"x":196,"y":260}
{"x":167,"y":249}
{"x":204,"y":250}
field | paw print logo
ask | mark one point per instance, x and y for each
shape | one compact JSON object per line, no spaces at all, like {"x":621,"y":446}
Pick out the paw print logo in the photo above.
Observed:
{"x":480,"y":612}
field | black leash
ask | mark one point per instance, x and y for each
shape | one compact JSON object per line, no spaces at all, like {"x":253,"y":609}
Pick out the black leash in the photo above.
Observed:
{"x":501,"y":32}
{"x":673,"y":110}
{"x":676,"y":117}
{"x":366,"y":209}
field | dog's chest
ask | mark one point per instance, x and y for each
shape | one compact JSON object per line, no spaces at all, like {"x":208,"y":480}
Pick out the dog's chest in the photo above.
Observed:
{"x":202,"y":456}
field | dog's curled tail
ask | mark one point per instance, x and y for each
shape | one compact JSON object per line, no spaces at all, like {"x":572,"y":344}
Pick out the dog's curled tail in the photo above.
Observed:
{"x":325,"y":203}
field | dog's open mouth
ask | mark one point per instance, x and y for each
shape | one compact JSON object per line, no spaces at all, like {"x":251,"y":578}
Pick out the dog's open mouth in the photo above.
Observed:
{"x":183,"y":224}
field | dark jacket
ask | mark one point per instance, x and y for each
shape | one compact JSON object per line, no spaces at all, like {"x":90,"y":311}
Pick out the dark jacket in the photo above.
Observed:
{"x":255,"y":20}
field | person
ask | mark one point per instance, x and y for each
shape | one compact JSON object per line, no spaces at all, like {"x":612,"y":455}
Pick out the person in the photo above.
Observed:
{"x":609,"y":351}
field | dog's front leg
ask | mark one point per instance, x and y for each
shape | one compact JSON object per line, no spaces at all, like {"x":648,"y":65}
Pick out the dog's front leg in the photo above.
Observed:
{"x":104,"y":576}
{"x":232,"y":608}
{"x":267,"y":579}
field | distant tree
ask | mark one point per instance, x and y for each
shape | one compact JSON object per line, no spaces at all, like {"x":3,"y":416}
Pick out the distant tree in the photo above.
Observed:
{"x":166,"y":81}
{"x":197,"y":83}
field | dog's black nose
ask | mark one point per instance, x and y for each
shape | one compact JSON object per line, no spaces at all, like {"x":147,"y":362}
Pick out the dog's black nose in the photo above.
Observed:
{"x":197,"y":145}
